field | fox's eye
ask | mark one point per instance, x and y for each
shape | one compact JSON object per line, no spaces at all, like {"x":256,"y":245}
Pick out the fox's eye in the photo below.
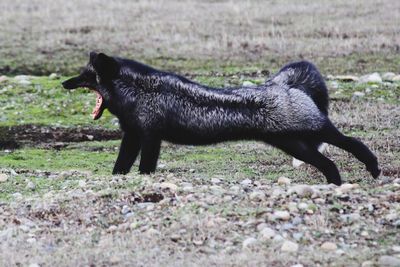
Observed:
{"x":98,"y":79}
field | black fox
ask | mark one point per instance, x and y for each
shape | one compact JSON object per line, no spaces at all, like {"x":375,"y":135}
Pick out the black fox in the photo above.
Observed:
{"x":289,"y":112}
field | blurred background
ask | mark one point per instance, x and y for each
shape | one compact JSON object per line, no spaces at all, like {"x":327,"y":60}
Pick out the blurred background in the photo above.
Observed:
{"x":41,"y":37}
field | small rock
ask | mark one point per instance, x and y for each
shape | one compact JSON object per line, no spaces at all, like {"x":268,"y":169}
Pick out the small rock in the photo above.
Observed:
{"x":389,"y":261}
{"x":34,"y":265}
{"x":31,"y":185}
{"x":301,"y":190}
{"x":358,"y":94}
{"x":261,"y":226}
{"x":297,"y":265}
{"x":249,"y":242}
{"x":346,"y":78}
{"x":246,"y":182}
{"x":350,"y":218}
{"x":345,"y":188}
{"x":388,"y":76}
{"x":289,"y":246}
{"x":371,"y":78}
{"x":277,"y":192}
{"x":90,"y":137}
{"x":367,"y":264}
{"x":267,"y":233}
{"x":170,"y":186}
{"x":24,"y":82}
{"x":3,"y":177}
{"x":283,"y":180}
{"x":396,"y":78}
{"x":112,"y":228}
{"x":3,"y":78}
{"x":53,"y":76}
{"x":334,"y":85}
{"x":296,"y":163}
{"x":152,"y":232}
{"x":125,"y":209}
{"x":82,"y":183}
{"x":297,"y":236}
{"x":328,"y":246}
{"x":215,"y":180}
{"x":248,"y":83}
{"x":31,"y":240}
{"x":303,"y":206}
{"x":281,"y":215}
{"x":277,"y":239}
{"x":257,"y":196}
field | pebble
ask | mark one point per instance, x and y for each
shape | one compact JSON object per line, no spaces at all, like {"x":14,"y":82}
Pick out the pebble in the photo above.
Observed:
{"x":125,"y":209}
{"x":346,"y":78}
{"x":350,"y":218}
{"x":296,"y":163}
{"x":248,"y":83}
{"x":215,"y":180}
{"x":34,"y":265}
{"x":3,"y":177}
{"x":367,"y":264}
{"x":82,"y":183}
{"x":371,"y":78}
{"x":289,"y":246}
{"x":152,"y":232}
{"x":297,"y":236}
{"x":249,"y":242}
{"x":3,"y":78}
{"x":389,"y":261}
{"x":388,"y":76}
{"x":303,"y":206}
{"x":284,"y":181}
{"x":246,"y":182}
{"x":281,"y":215}
{"x":328,"y":246}
{"x":31,"y":240}
{"x":31,"y":186}
{"x":297,"y":265}
{"x":267,"y":233}
{"x":345,"y":188}
{"x":396,"y":78}
{"x":53,"y":76}
{"x":257,"y":196}
{"x":301,"y":190}
{"x":170,"y":186}
{"x":358,"y":94}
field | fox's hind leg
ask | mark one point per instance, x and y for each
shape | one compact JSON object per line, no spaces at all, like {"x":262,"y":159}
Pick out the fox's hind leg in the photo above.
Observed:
{"x":308,"y":152}
{"x":128,"y":152}
{"x":149,"y":155}
{"x":332,"y":136}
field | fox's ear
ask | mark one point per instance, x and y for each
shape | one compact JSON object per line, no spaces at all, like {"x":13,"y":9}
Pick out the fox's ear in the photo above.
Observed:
{"x":92,"y":56}
{"x":106,"y":67}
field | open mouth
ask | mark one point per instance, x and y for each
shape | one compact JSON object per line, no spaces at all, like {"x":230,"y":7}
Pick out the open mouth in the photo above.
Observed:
{"x":99,"y":108}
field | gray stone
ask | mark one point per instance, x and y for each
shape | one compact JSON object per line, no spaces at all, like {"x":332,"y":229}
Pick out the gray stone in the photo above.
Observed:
{"x":371,"y":78}
{"x":389,"y":261}
{"x":289,"y":246}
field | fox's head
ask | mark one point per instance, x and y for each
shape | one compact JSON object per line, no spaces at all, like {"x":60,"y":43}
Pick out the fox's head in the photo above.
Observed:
{"x":97,"y":76}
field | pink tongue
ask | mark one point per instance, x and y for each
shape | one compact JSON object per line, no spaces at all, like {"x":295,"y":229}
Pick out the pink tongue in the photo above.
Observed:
{"x":96,"y":111}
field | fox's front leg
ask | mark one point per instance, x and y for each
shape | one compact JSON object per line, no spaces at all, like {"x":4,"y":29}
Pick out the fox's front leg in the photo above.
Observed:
{"x":128,"y":152}
{"x":149,"y":155}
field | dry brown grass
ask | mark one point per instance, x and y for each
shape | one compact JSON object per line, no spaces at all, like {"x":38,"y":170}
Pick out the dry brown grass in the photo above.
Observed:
{"x":41,"y":31}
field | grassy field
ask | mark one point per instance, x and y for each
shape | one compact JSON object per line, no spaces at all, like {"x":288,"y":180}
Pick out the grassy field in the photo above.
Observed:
{"x":226,"y":204}
{"x":42,"y":36}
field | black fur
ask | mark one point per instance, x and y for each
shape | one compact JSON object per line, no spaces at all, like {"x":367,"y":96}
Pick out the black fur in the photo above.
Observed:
{"x":288,"y":112}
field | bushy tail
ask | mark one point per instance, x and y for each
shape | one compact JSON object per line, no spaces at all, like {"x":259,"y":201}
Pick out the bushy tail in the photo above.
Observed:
{"x":304,"y":76}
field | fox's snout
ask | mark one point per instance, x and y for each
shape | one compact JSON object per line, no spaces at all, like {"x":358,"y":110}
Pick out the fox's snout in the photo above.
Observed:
{"x":72,"y":83}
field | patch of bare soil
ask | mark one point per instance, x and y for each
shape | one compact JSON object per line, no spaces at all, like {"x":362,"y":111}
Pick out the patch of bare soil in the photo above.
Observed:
{"x":15,"y":136}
